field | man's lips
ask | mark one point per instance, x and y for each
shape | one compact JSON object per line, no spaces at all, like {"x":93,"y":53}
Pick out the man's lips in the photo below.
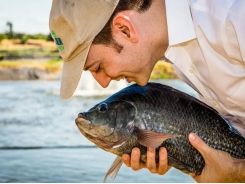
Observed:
{"x":123,"y":77}
{"x":128,"y":79}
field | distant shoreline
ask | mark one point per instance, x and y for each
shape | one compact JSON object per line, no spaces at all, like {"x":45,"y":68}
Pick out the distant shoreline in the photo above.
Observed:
{"x":39,"y":59}
{"x":34,"y":60}
{"x":26,"y":73}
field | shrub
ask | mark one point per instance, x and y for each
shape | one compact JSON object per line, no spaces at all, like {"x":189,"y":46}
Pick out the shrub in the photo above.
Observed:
{"x":2,"y":37}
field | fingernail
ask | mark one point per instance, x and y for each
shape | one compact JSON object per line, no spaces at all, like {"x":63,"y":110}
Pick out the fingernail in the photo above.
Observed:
{"x":134,"y":152}
{"x":162,"y":151}
{"x":153,"y":171}
{"x":123,"y":157}
{"x":151,"y":149}
{"x":192,"y":136}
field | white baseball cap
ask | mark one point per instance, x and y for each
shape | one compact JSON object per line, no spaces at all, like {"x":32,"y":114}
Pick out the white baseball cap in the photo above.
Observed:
{"x":73,"y":25}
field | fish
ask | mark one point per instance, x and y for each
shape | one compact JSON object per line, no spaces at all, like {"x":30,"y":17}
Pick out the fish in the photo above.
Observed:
{"x":157,"y":115}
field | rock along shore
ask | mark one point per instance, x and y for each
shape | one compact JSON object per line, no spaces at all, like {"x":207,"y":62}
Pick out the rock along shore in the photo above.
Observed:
{"x":26,"y":73}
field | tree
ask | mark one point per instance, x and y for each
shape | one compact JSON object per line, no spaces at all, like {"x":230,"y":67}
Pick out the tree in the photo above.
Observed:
{"x":24,"y":39}
{"x":10,"y":34}
{"x":49,"y":37}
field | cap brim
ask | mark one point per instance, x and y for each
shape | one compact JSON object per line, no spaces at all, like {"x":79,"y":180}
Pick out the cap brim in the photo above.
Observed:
{"x":71,"y":73}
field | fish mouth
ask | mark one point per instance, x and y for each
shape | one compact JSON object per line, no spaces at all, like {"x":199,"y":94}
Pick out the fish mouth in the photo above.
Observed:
{"x":97,"y":131}
{"x":84,"y":126}
{"x":81,"y":117}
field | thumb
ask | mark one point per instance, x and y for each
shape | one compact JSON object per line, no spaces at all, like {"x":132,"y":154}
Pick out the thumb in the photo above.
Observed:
{"x":199,"y":144}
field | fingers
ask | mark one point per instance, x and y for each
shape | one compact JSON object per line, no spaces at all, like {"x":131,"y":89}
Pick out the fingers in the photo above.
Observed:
{"x":199,"y":144}
{"x":151,"y":161}
{"x":126,"y":159}
{"x":162,"y":167}
{"x":163,"y":161}
{"x":134,"y":160}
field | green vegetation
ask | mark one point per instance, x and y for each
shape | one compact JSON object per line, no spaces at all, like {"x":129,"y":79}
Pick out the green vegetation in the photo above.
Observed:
{"x":25,"y":50}
{"x":163,"y":70}
{"x":10,"y":34}
{"x":52,"y":66}
{"x":39,"y":51}
{"x":28,"y":53}
{"x":19,"y":46}
{"x":2,"y":37}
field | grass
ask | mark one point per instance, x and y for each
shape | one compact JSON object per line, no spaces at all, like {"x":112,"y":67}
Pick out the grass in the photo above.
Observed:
{"x":43,"y":55}
{"x":39,"y":54}
{"x":163,"y":70}
{"x":12,"y":49}
{"x":10,"y":45}
{"x":50,"y":66}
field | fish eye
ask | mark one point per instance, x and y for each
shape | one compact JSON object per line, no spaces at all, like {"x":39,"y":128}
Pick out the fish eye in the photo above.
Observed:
{"x":103,"y":108}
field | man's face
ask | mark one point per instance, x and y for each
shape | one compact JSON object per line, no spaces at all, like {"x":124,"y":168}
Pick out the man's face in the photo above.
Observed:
{"x":143,"y":43}
{"x":106,"y":64}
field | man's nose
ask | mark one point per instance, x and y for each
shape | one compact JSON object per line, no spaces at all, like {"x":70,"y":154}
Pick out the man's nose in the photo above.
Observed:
{"x":103,"y":79}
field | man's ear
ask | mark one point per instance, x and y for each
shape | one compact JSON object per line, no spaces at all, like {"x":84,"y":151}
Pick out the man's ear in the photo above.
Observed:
{"x":123,"y":25}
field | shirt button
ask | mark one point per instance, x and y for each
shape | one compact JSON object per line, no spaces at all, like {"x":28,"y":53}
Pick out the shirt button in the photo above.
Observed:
{"x":191,"y":70}
{"x":214,"y":103}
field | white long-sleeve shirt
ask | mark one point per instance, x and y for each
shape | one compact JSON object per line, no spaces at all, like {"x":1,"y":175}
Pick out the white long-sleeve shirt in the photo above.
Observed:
{"x":207,"y":49}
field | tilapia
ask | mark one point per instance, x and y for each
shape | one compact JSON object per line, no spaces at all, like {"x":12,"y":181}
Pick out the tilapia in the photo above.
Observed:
{"x":157,"y":116}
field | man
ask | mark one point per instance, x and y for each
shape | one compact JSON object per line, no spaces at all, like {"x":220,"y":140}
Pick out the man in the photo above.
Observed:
{"x":203,"y":39}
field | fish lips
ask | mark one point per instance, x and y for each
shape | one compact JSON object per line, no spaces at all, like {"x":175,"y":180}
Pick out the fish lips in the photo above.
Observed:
{"x":86,"y":126}
{"x":83,"y":123}
{"x":81,"y":117}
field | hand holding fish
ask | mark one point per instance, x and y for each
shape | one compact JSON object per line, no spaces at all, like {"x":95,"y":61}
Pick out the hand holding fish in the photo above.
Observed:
{"x":134,"y":161}
{"x":155,"y":122}
{"x":219,"y":165}
{"x":215,"y":170}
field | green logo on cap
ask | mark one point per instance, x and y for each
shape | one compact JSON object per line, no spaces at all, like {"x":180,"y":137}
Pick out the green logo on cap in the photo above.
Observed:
{"x":53,"y":33}
{"x":58,"y":41}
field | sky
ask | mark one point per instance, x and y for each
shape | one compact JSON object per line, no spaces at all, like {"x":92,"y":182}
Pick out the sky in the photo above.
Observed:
{"x":27,"y":16}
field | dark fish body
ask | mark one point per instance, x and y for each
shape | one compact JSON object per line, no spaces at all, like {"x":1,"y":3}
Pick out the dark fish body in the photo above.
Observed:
{"x":157,"y":115}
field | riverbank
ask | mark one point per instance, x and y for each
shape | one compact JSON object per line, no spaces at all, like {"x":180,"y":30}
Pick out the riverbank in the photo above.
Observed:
{"x":34,"y":60}
{"x":30,"y":69}
{"x":39,"y":59}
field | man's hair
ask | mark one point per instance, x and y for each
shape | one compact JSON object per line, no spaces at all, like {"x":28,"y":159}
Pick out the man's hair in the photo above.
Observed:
{"x":105,"y":35}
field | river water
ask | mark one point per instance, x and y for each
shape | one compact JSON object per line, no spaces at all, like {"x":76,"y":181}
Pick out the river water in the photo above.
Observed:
{"x":39,"y":141}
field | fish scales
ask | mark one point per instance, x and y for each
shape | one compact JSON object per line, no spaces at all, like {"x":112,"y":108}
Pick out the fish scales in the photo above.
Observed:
{"x":165,"y":110}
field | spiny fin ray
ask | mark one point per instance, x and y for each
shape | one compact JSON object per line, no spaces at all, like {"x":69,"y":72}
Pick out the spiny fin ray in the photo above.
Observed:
{"x":115,"y":166}
{"x":152,"y":139}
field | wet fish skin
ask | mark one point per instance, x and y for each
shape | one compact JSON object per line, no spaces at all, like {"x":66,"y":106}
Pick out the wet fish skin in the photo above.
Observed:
{"x":157,"y":115}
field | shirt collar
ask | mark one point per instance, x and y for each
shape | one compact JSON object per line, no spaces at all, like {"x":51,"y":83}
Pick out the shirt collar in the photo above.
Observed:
{"x":179,"y":21}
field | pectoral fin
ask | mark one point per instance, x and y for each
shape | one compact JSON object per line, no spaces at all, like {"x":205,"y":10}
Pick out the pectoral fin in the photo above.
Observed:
{"x":152,"y":139}
{"x":115,"y":166}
